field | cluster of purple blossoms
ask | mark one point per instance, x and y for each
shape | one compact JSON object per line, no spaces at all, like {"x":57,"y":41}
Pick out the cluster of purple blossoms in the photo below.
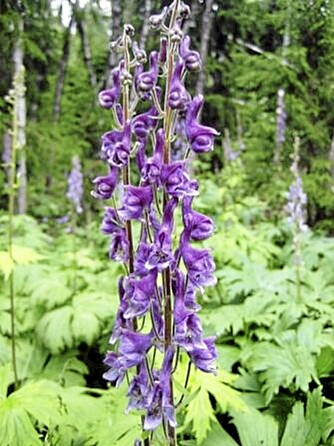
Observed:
{"x":158,"y":312}
{"x":75,"y":185}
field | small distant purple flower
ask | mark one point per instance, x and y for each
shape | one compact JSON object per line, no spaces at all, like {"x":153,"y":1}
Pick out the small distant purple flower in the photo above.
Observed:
{"x":75,"y":185}
{"x":105,"y":186}
{"x":200,"y":137}
{"x":116,"y":146}
{"x":135,"y":200}
{"x":178,"y":95}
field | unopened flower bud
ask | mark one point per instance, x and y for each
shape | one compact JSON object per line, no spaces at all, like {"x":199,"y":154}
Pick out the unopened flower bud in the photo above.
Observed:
{"x":126,"y":78}
{"x":163,"y":50}
{"x":116,"y":45}
{"x":139,"y":54}
{"x":129,"y":30}
{"x":184,"y":10}
{"x":176,"y":34}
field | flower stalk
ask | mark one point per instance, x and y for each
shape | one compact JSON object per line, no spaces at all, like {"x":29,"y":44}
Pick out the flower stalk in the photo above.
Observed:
{"x":155,"y":284}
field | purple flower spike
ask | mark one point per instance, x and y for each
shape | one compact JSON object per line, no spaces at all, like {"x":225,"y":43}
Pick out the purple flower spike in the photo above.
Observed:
{"x":192,"y":59}
{"x":139,"y":293}
{"x":145,"y":81}
{"x":199,"y":226}
{"x":178,"y":95}
{"x":133,"y":346}
{"x":135,"y":200}
{"x":116,"y":146}
{"x":200,"y":137}
{"x":204,"y":356}
{"x":108,"y":98}
{"x":105,"y":186}
{"x":199,"y":263}
{"x":119,"y":246}
{"x":177,"y":181}
{"x":152,"y":169}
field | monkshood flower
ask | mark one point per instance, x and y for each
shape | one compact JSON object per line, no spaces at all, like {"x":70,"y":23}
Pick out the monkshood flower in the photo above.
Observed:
{"x":75,"y":185}
{"x":200,"y":137}
{"x":105,"y":186}
{"x":158,"y":317}
{"x":177,"y":181}
{"x":191,"y":58}
{"x":135,"y":201}
{"x":178,"y":95}
{"x":116,"y":146}
{"x":108,"y":98}
{"x":145,"y":81}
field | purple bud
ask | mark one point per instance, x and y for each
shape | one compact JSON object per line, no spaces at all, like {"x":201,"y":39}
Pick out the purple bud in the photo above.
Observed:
{"x":108,"y":98}
{"x":163,"y":50}
{"x":144,"y":123}
{"x":145,"y":81}
{"x":199,"y":136}
{"x":157,"y":20}
{"x":152,"y":169}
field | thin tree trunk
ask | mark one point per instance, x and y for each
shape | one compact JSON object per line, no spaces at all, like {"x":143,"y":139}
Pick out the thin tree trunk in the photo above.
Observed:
{"x":21,"y":122}
{"x":115,"y":32}
{"x":205,"y":37}
{"x":62,"y":71}
{"x":86,"y":48}
{"x":145,"y":28}
{"x":331,"y":160}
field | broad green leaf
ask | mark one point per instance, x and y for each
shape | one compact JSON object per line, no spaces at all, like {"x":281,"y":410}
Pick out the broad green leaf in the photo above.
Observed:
{"x":4,"y":380}
{"x":218,"y":437}
{"x":55,"y":330}
{"x":6,"y":264}
{"x":256,"y":429}
{"x":16,"y":428}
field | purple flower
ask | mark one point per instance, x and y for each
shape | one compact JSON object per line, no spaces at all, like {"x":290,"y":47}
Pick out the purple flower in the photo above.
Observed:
{"x":157,"y":20}
{"x":205,"y":355}
{"x":120,"y":321}
{"x":192,"y":59}
{"x":138,"y":390}
{"x":135,"y":200}
{"x":176,"y":180}
{"x":145,"y":81}
{"x":178,"y":95}
{"x":117,"y":369}
{"x":110,"y":222}
{"x":105,"y":186}
{"x":75,"y":185}
{"x":163,"y":50}
{"x":108,"y":98}
{"x":119,"y":246}
{"x":200,"y":137}
{"x":199,"y":263}
{"x":199,"y":226}
{"x":142,"y":124}
{"x":161,"y":255}
{"x":139,"y":293}
{"x":116,"y":146}
{"x":151,"y":170}
{"x":134,"y":346}
{"x":159,"y":401}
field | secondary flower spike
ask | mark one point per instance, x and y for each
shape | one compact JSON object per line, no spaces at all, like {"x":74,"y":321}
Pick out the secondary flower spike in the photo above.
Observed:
{"x":152,"y":222}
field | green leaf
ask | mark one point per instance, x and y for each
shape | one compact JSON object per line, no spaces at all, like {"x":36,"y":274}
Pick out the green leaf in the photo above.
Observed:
{"x":55,"y":329}
{"x":306,"y":429}
{"x":218,"y":437}
{"x":6,"y":264}
{"x":256,"y":429}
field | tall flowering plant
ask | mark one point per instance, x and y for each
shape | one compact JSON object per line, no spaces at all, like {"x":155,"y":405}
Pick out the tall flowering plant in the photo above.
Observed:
{"x":157,"y":319}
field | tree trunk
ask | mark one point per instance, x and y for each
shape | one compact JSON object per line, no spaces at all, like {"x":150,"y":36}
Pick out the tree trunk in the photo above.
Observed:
{"x":21,"y":122}
{"x":86,"y":48}
{"x":331,"y":160}
{"x":205,"y":37}
{"x":145,"y":28}
{"x":62,"y":71}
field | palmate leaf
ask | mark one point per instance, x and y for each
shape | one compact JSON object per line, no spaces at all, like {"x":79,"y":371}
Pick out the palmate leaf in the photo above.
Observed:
{"x":199,"y":412}
{"x":307,"y":429}
{"x":256,"y":429}
{"x":218,"y":437}
{"x":34,"y":401}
